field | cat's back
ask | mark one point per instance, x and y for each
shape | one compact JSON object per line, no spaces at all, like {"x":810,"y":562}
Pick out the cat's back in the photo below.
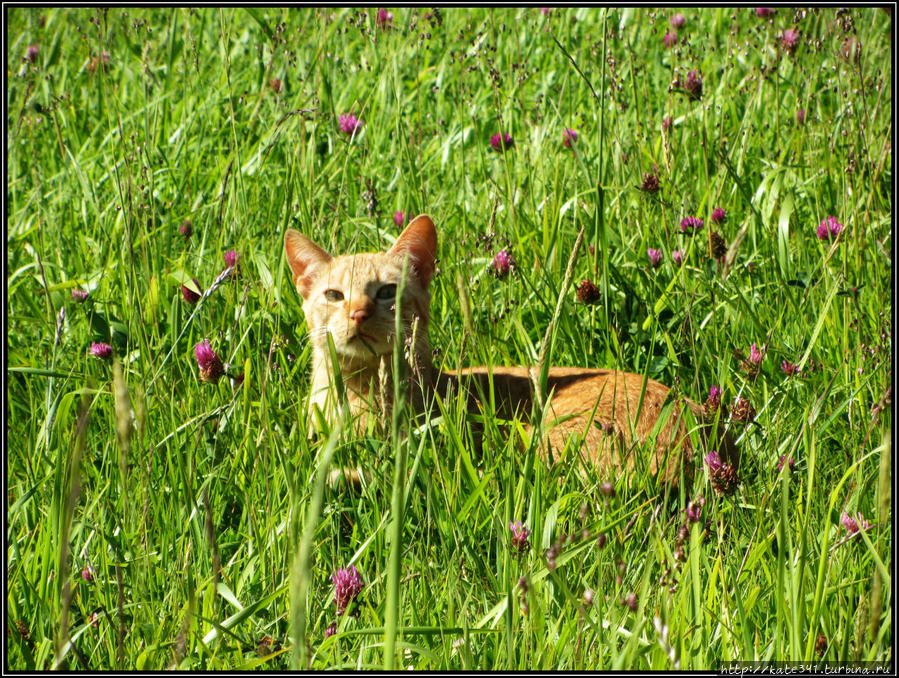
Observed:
{"x":608,"y":409}
{"x":573,"y":389}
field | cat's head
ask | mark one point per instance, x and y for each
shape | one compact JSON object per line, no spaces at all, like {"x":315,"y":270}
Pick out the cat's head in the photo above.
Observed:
{"x":352,"y":298}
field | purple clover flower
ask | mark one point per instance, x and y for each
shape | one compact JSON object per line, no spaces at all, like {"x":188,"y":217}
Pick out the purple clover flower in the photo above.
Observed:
{"x":650,"y":184}
{"x":800,"y":116}
{"x":669,"y":39}
{"x":693,"y":86}
{"x":691,"y":224}
{"x":520,"y":534}
{"x":694,"y":509}
{"x":742,"y":410}
{"x":80,"y":295}
{"x":713,"y":461}
{"x":569,"y":137}
{"x":722,"y":475}
{"x":501,"y":142}
{"x":755,"y":356}
{"x":829,"y":228}
{"x":189,"y":295}
{"x":678,"y":257}
{"x":231,"y":257}
{"x":790,"y":369}
{"x":347,"y":586}
{"x":384,"y":18}
{"x":503,"y":263}
{"x":587,"y":292}
{"x":785,"y":460}
{"x":718,"y":215}
{"x":211,"y":367}
{"x":678,"y":20}
{"x":789,"y":41}
{"x":655,"y":257}
{"x":853,"y":525}
{"x":713,"y":402}
{"x":186,"y":229}
{"x":100,"y":350}
{"x":31,"y":53}
{"x":764,"y":12}
{"x":348,"y":123}
{"x":399,"y":218}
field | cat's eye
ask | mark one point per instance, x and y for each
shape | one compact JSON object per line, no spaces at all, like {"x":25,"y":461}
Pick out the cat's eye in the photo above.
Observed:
{"x":387,"y":292}
{"x":333,"y":295}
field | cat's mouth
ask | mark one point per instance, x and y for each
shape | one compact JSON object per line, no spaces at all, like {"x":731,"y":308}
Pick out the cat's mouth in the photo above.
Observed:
{"x":364,"y":343}
{"x":358,"y":342}
{"x":361,"y":336}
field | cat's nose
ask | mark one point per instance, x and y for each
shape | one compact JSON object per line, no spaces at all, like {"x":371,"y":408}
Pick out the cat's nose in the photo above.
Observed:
{"x":360,"y":313}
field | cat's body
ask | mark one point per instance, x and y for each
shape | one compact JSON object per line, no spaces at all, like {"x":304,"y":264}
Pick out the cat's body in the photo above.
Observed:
{"x":601,"y":407}
{"x":352,"y":300}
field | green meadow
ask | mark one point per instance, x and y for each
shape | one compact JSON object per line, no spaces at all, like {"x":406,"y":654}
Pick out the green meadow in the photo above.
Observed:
{"x":721,"y":179}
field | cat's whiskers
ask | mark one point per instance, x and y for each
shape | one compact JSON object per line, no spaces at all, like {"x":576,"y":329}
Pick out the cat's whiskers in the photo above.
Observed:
{"x":315,"y":333}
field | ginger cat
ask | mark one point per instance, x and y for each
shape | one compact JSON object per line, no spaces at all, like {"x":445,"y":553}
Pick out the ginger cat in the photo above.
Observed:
{"x":351,"y":298}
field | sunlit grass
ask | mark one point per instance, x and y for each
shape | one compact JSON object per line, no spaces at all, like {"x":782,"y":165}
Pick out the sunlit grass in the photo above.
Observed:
{"x":172,"y":522}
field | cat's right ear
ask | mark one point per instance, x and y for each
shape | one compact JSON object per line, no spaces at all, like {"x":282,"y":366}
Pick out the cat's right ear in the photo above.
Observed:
{"x":304,"y":257}
{"x":418,"y":241}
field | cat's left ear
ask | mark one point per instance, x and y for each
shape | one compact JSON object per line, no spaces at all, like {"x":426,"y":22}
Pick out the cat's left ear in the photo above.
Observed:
{"x":419,"y":242}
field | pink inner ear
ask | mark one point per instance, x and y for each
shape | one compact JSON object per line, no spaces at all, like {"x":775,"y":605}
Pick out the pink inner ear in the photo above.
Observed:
{"x":419,"y":241}
{"x":304,"y":283}
{"x":303,"y":257}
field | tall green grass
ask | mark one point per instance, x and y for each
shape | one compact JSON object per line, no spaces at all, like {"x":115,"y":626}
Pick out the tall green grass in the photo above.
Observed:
{"x":156,"y":521}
